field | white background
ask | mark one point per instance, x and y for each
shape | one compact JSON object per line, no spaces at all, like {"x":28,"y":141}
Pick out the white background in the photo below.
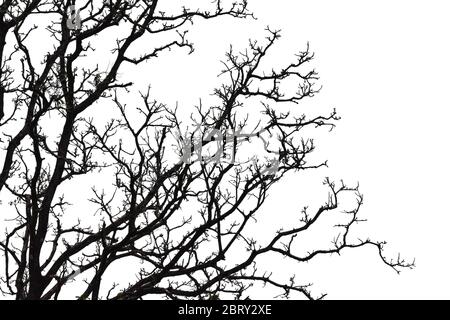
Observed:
{"x":384,"y":66}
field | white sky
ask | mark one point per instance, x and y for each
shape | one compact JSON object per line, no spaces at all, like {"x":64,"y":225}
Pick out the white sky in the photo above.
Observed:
{"x":384,"y":66}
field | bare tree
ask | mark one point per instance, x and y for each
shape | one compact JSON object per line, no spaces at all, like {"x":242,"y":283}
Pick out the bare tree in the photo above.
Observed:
{"x":178,"y":220}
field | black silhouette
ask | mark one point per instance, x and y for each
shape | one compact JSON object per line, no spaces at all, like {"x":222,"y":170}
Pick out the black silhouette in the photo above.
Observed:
{"x":178,"y":220}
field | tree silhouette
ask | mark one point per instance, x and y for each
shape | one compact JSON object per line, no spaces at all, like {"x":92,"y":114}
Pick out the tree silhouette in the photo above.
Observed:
{"x":182,"y":197}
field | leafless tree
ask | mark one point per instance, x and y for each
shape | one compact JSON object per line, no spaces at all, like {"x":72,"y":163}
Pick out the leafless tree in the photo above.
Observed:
{"x":178,"y":221}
